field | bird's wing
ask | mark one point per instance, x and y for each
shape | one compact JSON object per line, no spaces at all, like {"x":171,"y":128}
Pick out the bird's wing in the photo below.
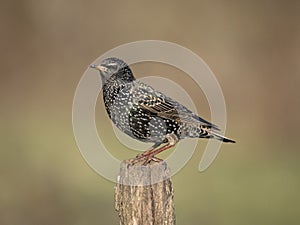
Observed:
{"x":165,"y":107}
{"x":159,"y":106}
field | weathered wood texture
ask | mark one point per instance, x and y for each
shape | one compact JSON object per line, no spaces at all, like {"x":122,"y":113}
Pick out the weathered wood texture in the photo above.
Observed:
{"x":144,"y":195}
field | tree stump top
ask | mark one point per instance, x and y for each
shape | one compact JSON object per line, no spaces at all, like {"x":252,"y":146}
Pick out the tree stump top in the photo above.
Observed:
{"x":144,"y":194}
{"x":140,"y":175}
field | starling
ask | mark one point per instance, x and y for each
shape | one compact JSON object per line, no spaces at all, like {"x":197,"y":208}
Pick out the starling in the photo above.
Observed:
{"x":146,"y":114}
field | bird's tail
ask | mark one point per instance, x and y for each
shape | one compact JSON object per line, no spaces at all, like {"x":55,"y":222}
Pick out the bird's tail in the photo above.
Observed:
{"x":222,"y":138}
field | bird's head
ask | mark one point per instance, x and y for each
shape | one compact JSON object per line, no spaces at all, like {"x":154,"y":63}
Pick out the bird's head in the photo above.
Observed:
{"x":114,"y":67}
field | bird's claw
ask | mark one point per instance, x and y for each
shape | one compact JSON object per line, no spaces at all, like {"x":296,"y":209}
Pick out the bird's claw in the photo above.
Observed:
{"x":144,"y":159}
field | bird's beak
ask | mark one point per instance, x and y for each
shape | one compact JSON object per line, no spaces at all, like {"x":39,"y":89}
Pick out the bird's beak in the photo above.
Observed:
{"x":98,"y":67}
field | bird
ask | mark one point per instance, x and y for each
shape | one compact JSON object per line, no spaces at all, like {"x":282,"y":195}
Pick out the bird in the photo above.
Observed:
{"x":146,"y":114}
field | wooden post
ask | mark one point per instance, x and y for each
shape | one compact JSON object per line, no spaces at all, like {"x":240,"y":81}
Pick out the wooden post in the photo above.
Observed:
{"x":144,"y":194}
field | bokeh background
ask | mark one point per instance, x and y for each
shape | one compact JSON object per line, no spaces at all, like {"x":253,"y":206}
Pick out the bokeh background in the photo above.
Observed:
{"x":253,"y":47}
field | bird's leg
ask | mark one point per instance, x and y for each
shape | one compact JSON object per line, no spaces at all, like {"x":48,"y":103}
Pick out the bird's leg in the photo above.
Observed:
{"x":148,"y":151}
{"x":152,"y":152}
{"x":151,"y":156}
{"x":145,"y":153}
{"x":172,"y":140}
{"x":155,"y":159}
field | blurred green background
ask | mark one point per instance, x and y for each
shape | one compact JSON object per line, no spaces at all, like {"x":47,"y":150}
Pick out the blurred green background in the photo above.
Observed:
{"x":253,"y":47}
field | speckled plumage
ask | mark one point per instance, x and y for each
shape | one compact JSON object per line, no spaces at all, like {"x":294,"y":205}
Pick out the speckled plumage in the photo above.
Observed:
{"x":146,"y":114}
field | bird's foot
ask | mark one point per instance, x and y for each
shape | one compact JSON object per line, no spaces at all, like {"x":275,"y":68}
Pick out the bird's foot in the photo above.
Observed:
{"x":141,"y":156}
{"x":149,"y":155}
{"x":137,"y":159}
{"x":144,"y":159}
{"x":148,"y":160}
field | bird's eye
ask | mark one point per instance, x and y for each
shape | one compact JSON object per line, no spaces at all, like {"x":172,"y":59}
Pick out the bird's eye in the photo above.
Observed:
{"x":112,"y":67}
